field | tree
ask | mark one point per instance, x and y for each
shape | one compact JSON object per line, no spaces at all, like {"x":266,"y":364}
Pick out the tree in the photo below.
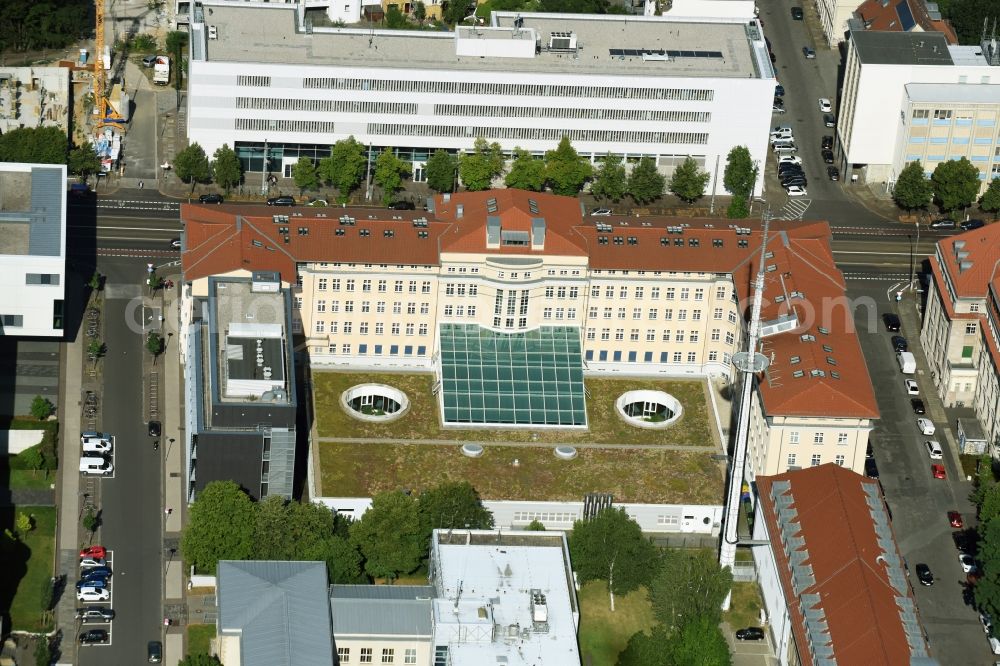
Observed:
{"x":738,"y":209}
{"x":646,"y":183}
{"x":389,"y":172}
{"x":441,"y":169}
{"x":226,"y":168}
{"x":394,"y":19}
{"x":23,"y":524}
{"x":419,"y":11}
{"x":698,"y":643}
{"x":83,"y":161}
{"x":220,"y":526}
{"x":453,"y":505}
{"x":565,"y":170}
{"x":610,"y":181}
{"x":985,"y":481}
{"x":91,"y":521}
{"x":42,"y":408}
{"x":645,"y":649}
{"x":479,"y":168}
{"x":689,"y":181}
{"x":95,"y":350}
{"x":343,"y":563}
{"x":454,"y":12}
{"x":191,"y":165}
{"x":176,"y":44}
{"x":41,"y":24}
{"x":610,"y":546}
{"x":688,"y":584}
{"x":535,"y":526}
{"x":575,"y":6}
{"x":989,"y":507}
{"x":96,"y":282}
{"x":389,"y":535}
{"x":987,"y":590}
{"x":740,"y":174}
{"x":43,"y":651}
{"x":956,"y":184}
{"x":304,"y":174}
{"x":200,"y":659}
{"x":154,"y":344}
{"x":912,"y":189}
{"x":526,"y":172}
{"x":41,"y":145}
{"x":990,"y":201}
{"x":345,"y":168}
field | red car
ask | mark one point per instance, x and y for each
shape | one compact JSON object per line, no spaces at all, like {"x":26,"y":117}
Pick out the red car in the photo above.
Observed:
{"x":955,"y":518}
{"x":96,"y":552}
{"x":937,"y":471}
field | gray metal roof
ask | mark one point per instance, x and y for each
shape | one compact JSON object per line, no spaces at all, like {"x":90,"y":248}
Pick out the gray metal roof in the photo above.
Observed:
{"x":959,"y":93}
{"x":280,"y":611}
{"x":31,"y":210}
{"x":381,"y":610}
{"x":901,"y":48}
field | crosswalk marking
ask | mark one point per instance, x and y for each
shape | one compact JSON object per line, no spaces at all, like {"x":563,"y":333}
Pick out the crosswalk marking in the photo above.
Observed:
{"x":794,"y":209}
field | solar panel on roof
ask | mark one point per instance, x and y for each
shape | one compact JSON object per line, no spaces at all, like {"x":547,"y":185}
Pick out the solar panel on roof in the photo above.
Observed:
{"x":671,"y":53}
{"x":906,"y":21}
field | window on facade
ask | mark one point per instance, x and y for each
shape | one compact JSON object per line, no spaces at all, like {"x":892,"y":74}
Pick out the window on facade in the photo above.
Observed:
{"x":591,"y":333}
{"x":410,"y":656}
{"x":679,"y":337}
{"x":839,"y":459}
{"x":730,"y":338}
{"x":607,"y":313}
{"x":713,"y":356}
{"x":321,"y":284}
{"x":388,"y":655}
{"x":841,"y":438}
{"x":817,"y":438}
{"x":677,"y":357}
{"x":816,"y":459}
{"x":335,"y":285}
{"x":942,"y":114}
{"x":609,"y":292}
{"x":650,"y":335}
{"x":619,"y":334}
{"x":970,"y":329}
{"x":791,"y":460}
{"x":320,"y":326}
{"x":605,"y":334}
{"x":366,"y":656}
{"x":344,"y":655}
{"x":717,"y":313}
{"x":320,"y":306}
{"x":621,"y":313}
{"x":595,"y":292}
{"x":636,"y":313}
{"x":793,"y":437}
{"x":921,"y":113}
{"x":670,"y":293}
{"x":634,"y":335}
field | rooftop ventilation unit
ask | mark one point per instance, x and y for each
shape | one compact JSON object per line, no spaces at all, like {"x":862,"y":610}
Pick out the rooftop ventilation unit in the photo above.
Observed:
{"x":491,"y":205}
{"x":562,"y":41}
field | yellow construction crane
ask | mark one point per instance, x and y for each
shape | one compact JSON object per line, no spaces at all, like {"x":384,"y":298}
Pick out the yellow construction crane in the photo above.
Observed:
{"x":108,"y":115}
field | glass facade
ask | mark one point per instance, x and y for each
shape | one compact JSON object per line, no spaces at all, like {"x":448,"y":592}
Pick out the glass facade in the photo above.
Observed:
{"x":531,"y":378}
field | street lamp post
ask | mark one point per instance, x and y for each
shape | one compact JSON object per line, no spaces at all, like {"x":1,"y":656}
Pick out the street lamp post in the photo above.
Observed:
{"x":263,"y":171}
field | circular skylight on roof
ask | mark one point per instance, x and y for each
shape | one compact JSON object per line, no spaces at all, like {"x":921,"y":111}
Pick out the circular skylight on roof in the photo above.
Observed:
{"x":648,"y":409}
{"x":375,"y":403}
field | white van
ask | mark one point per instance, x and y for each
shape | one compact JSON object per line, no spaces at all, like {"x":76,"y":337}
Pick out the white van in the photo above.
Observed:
{"x":907,"y":362}
{"x":95,"y":465}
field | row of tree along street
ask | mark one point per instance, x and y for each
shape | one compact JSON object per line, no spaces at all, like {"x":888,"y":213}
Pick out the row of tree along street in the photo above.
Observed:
{"x":952,"y":186}
{"x":686,"y":587}
{"x":561,"y":170}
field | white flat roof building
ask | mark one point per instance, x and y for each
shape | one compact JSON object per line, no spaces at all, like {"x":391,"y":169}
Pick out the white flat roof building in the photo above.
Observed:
{"x":912,"y":96}
{"x":629,"y":85}
{"x":503,"y":598}
{"x":32,"y":249}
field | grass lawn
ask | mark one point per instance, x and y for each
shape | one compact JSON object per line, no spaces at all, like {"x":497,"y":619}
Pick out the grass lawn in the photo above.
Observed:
{"x":31,"y":479}
{"x":27,"y":568}
{"x":422,"y":421}
{"x":604,"y":634}
{"x":200,"y":638}
{"x":637,"y":475}
{"x":744,"y":610}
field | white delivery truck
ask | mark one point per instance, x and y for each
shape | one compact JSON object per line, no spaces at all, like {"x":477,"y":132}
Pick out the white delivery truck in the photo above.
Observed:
{"x":907,"y":363}
{"x":161,"y":70}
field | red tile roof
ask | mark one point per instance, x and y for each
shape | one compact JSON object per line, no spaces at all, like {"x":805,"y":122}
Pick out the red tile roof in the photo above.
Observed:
{"x":837,"y":530}
{"x":884,"y":15}
{"x":221,"y":239}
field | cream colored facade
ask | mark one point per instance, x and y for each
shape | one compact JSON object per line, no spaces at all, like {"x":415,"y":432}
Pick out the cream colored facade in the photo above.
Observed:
{"x":636,"y":322}
{"x":953,"y":346}
{"x":384,"y":650}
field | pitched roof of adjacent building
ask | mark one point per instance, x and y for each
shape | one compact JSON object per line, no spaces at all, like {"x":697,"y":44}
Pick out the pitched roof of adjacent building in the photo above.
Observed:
{"x":971,"y":260}
{"x":829,"y":376}
{"x":904,"y":16}
{"x":381,"y":610}
{"x":841,"y":572}
{"x":280,"y":611}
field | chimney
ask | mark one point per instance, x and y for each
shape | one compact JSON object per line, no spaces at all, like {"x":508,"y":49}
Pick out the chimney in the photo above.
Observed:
{"x":459,"y":211}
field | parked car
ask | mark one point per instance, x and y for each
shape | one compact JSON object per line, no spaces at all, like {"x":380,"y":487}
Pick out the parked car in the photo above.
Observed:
{"x":967,"y":562}
{"x":924,"y":574}
{"x":796,"y":191}
{"x":827,"y":142}
{"x":149,"y":61}
{"x":210,"y":198}
{"x":95,"y":465}
{"x":969,"y":225}
{"x":918,"y":406}
{"x":789,"y":159}
{"x":911,"y":387}
{"x":828,"y":157}
{"x":825,"y":105}
{"x":92,"y":593}
{"x":925,"y":426}
{"x":899,"y":343}
{"x":154,"y":429}
{"x":829,"y":120}
{"x":871,"y":469}
{"x":937,"y":471}
{"x":797,"y":14}
{"x":891,"y":322}
{"x":94,"y":551}
{"x":88,"y":562}
{"x":777,"y":109}
{"x":809,"y":53}
{"x":95,"y":614}
{"x":750,"y":634}
{"x":600,"y":212}
{"x":943,"y":223}
{"x":869,"y":450}
{"x":87,"y":583}
{"x":318,"y":203}
{"x":955,"y":520}
{"x":833,"y":173}
{"x":281,"y":201}
{"x":402,"y":205}
{"x":96,"y":446}
{"x":779,"y":90}
{"x":986,"y":621}
{"x":93,"y":637}
{"x":154,"y":652}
